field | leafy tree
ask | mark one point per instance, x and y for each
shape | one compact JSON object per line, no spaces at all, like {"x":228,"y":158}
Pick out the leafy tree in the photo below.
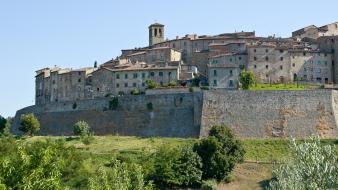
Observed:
{"x":177,"y":167}
{"x":119,"y":176}
{"x":247,"y":79}
{"x":113,"y":103}
{"x":2,"y":124}
{"x":172,"y":83}
{"x":32,"y":167}
{"x":81,"y":128}
{"x":312,"y":166}
{"x":29,"y":124}
{"x":220,"y":151}
{"x":95,"y":64}
{"x":135,"y":91}
{"x":151,"y":84}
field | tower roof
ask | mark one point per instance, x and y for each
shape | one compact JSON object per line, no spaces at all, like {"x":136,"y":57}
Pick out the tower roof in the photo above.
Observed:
{"x":156,"y":24}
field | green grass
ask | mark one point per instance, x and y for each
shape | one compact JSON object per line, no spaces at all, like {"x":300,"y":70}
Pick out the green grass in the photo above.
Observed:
{"x":284,"y":87}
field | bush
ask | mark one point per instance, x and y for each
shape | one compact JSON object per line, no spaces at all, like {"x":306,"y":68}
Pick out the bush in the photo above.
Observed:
{"x":87,"y":139}
{"x":135,"y":91}
{"x":151,"y":84}
{"x":7,"y":130}
{"x":172,"y":83}
{"x":113,"y":103}
{"x":81,"y":128}
{"x":312,"y":166}
{"x":177,"y":167}
{"x":220,"y":151}
{"x":119,"y":176}
{"x":29,"y":124}
{"x":247,"y":79}
{"x":209,"y":185}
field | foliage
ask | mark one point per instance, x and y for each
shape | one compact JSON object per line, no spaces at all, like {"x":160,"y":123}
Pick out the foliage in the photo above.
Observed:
{"x":119,"y":176}
{"x":285,"y":86}
{"x":247,"y":79}
{"x":35,"y":167}
{"x":151,"y":84}
{"x":113,"y":103}
{"x":81,"y":128}
{"x":177,"y":167}
{"x":2,"y":124}
{"x":209,"y":185}
{"x":205,"y":87}
{"x":7,"y":130}
{"x":220,"y":151}
{"x":195,"y":82}
{"x":87,"y":139}
{"x":136,"y":91}
{"x":172,"y":83}
{"x":29,"y":124}
{"x":312,"y":166}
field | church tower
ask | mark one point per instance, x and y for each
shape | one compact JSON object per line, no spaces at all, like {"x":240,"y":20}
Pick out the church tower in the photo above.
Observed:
{"x":156,"y":33}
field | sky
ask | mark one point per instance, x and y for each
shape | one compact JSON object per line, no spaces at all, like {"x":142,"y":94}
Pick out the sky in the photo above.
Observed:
{"x":36,"y":34}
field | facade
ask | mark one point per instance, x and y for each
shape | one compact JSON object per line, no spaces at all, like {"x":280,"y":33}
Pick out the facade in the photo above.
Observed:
{"x":223,"y":76}
{"x":315,"y":32}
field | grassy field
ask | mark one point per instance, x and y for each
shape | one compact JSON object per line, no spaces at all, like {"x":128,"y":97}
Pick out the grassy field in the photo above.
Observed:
{"x":249,"y":175}
{"x":284,"y":87}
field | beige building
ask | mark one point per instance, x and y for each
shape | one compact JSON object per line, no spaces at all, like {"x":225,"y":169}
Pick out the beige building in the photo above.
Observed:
{"x":223,"y":76}
{"x":315,"y":32}
{"x":159,"y":56}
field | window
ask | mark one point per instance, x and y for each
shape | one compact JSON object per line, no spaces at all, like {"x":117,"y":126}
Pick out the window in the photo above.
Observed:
{"x":304,"y":53}
{"x":125,"y":84}
{"x":160,"y":74}
{"x":255,"y":58}
{"x":266,"y":50}
{"x":336,"y":25}
{"x":185,"y":43}
{"x":143,"y":75}
{"x":215,"y":82}
{"x":79,"y":73}
{"x":98,"y":89}
{"x":215,"y":72}
{"x":281,"y":51}
{"x":53,"y":81}
{"x":305,"y":77}
{"x":267,"y":76}
{"x":304,"y":69}
{"x":266,"y":66}
{"x":169,"y":74}
{"x":134,"y":84}
{"x":293,"y":64}
{"x":155,"y":31}
{"x":152,"y":74}
{"x":319,"y":79}
{"x":79,"y":80}
{"x":160,"y":32}
{"x":135,"y":75}
{"x":239,"y":58}
{"x":143,"y":84}
{"x":117,"y":76}
{"x":281,"y":58}
{"x":318,"y":62}
{"x":230,"y":59}
{"x":266,"y":58}
{"x":255,"y":66}
{"x":231,"y":83}
{"x":125,"y":76}
{"x":281,"y":67}
{"x":161,"y":83}
{"x":255,"y":50}
{"x":117,"y":85}
{"x":325,"y":62}
{"x":230,"y":72}
{"x":325,"y":54}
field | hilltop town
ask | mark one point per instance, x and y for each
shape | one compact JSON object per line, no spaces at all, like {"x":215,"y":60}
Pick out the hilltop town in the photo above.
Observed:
{"x":310,"y":55}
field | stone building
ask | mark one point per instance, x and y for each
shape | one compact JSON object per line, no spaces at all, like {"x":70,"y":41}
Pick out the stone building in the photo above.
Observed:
{"x":315,"y":32}
{"x":160,"y":55}
{"x":223,"y":76}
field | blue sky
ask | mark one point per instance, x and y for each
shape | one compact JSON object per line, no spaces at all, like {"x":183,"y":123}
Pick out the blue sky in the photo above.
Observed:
{"x":74,"y":33}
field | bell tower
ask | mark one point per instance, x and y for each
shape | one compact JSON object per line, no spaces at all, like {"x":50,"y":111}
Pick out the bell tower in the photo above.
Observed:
{"x":156,"y":33}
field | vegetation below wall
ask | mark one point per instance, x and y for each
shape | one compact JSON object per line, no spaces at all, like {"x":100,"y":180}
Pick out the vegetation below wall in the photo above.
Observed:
{"x":89,"y":158}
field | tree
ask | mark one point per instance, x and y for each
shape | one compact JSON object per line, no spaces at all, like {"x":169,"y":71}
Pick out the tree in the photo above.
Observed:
{"x":220,"y":151}
{"x":311,"y":166}
{"x":119,"y":176}
{"x":7,"y":130}
{"x":95,"y":64}
{"x":29,"y":124}
{"x":151,"y":84}
{"x":247,"y":79}
{"x":81,"y":128}
{"x":2,"y":124}
{"x":177,"y":167}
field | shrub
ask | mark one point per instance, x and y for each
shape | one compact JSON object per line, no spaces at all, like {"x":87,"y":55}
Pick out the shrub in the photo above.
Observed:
{"x":151,"y":84}
{"x":172,"y":83}
{"x":247,"y":79}
{"x":113,"y":103}
{"x":87,"y":138}
{"x":119,"y":176}
{"x":209,"y":185}
{"x":81,"y":128}
{"x":135,"y":91}
{"x":312,"y":166}
{"x":7,"y":130}
{"x":29,"y":124}
{"x":177,"y":167}
{"x":220,"y":151}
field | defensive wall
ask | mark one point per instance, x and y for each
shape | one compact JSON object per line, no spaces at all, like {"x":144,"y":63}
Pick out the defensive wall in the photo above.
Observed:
{"x":251,"y":114}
